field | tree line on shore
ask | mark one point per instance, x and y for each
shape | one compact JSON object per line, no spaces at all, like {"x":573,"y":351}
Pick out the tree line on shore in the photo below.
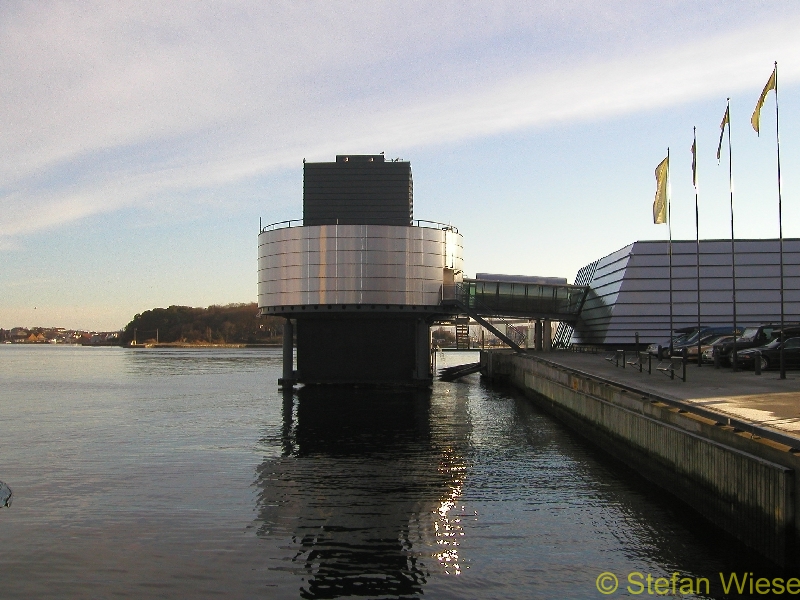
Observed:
{"x":229,"y":324}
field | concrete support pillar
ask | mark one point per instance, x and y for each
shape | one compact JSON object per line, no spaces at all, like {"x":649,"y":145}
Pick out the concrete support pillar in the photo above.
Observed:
{"x":288,"y":358}
{"x":422,"y":367}
{"x":547,"y":335}
{"x":538,"y":335}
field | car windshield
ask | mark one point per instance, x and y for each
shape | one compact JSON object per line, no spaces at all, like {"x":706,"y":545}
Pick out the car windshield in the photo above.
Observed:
{"x":774,"y":343}
{"x":692,"y":339}
{"x":686,"y":336}
{"x":749,"y":334}
{"x":723,"y":340}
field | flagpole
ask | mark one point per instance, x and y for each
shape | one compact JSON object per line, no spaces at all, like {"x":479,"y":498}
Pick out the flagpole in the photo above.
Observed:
{"x":697,"y":234}
{"x":733,"y":238}
{"x":669,"y":227}
{"x":780,"y":216}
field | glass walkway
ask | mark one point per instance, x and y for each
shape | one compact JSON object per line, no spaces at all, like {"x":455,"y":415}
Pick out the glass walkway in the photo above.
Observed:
{"x":557,"y":302}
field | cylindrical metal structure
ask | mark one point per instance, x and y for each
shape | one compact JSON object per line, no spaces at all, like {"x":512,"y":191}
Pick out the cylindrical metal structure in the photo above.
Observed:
{"x":356,"y":265}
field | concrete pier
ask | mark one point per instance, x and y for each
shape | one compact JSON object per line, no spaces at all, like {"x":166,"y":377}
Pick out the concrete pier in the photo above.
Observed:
{"x":687,"y":438}
{"x":288,"y":379}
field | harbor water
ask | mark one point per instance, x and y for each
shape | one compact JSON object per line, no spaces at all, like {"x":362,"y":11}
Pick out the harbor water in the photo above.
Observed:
{"x":186,"y":473}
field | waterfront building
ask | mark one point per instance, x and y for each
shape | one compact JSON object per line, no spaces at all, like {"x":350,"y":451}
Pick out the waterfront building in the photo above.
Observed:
{"x":358,"y":278}
{"x":629,"y":289}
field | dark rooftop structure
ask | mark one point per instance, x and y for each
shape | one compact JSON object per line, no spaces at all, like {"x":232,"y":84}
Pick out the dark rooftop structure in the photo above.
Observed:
{"x":358,"y":189}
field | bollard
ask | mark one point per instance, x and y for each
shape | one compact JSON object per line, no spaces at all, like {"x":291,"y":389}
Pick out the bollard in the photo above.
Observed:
{"x":758,"y":363}
{"x":660,"y":350}
{"x":623,"y":358}
{"x":649,"y":364}
{"x":715,"y":353}
{"x":685,"y":359}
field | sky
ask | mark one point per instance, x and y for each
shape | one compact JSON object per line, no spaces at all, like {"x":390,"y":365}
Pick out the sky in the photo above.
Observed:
{"x":142,"y":141}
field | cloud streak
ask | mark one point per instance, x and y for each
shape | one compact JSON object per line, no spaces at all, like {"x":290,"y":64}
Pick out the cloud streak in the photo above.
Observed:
{"x":155,"y":111}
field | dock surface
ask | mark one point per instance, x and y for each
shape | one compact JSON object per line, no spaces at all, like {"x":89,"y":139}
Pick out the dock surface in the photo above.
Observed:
{"x":763,"y":400}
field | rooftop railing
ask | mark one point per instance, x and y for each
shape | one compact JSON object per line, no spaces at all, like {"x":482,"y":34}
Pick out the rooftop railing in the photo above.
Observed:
{"x":414,"y":223}
{"x":280,"y":225}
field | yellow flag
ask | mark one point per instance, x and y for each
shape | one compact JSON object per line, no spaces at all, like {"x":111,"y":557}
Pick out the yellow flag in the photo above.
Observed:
{"x":660,"y":202}
{"x":772,"y":84}
{"x":726,"y":120}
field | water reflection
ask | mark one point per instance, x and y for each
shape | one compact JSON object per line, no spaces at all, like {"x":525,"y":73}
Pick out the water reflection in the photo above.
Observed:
{"x":133,"y":476}
{"x":364,"y":490}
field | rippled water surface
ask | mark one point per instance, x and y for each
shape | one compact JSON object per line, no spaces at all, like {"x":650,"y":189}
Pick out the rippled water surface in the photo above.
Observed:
{"x":187,"y":474}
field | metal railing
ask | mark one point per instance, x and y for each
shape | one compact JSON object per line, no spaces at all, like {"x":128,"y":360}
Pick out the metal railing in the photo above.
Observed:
{"x":636,"y":359}
{"x":280,"y":225}
{"x":434,"y":225}
{"x":299,"y":223}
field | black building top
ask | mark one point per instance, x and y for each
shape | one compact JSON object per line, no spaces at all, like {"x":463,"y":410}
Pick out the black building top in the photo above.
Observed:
{"x":358,"y":190}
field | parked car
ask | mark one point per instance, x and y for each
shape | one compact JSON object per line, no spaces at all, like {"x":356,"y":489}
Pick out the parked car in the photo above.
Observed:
{"x":680,"y":336}
{"x":705,"y":343}
{"x":771,"y":354}
{"x":703,"y":334}
{"x":708,"y":350}
{"x":753,"y":337}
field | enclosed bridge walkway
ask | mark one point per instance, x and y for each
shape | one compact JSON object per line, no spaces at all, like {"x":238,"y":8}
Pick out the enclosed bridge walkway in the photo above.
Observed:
{"x":533,"y":298}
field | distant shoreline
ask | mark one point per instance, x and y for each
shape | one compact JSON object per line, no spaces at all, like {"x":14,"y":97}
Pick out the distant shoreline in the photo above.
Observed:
{"x":143,"y":346}
{"x":199,"y":345}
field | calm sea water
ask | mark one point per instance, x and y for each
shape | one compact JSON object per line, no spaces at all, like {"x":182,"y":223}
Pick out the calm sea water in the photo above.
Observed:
{"x":187,"y":474}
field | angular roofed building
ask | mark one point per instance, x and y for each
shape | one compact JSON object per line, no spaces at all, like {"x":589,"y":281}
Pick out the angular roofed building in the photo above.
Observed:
{"x":629,"y":289}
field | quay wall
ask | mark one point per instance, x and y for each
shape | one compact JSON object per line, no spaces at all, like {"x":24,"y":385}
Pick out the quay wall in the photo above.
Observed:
{"x":741,"y":481}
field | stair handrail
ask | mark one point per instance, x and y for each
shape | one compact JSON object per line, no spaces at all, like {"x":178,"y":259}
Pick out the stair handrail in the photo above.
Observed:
{"x":516,"y":335}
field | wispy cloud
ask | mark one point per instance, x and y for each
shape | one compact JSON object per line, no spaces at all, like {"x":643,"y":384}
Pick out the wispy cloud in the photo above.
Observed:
{"x":111,"y":108}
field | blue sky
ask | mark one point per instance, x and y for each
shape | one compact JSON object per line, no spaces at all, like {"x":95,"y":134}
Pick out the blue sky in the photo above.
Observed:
{"x":142,"y":141}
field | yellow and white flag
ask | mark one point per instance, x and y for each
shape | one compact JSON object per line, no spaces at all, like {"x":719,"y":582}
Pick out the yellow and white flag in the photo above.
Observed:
{"x":726,"y":120}
{"x":660,"y":202}
{"x":772,"y":84}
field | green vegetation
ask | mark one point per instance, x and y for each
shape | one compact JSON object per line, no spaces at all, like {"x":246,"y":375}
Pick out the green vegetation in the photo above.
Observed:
{"x":230,"y":324}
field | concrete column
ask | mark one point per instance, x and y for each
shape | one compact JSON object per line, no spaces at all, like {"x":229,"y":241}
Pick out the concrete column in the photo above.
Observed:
{"x":288,"y":359}
{"x":422,"y":368}
{"x":547,"y":335}
{"x":538,"y":335}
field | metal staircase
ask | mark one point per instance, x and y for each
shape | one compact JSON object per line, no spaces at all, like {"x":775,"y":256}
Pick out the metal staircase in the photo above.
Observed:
{"x":472,"y":306}
{"x":462,"y":334}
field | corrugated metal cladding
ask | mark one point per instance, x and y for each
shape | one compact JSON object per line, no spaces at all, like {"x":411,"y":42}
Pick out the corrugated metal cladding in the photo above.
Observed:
{"x":358,"y":190}
{"x":355,"y":264}
{"x":629,"y":289}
